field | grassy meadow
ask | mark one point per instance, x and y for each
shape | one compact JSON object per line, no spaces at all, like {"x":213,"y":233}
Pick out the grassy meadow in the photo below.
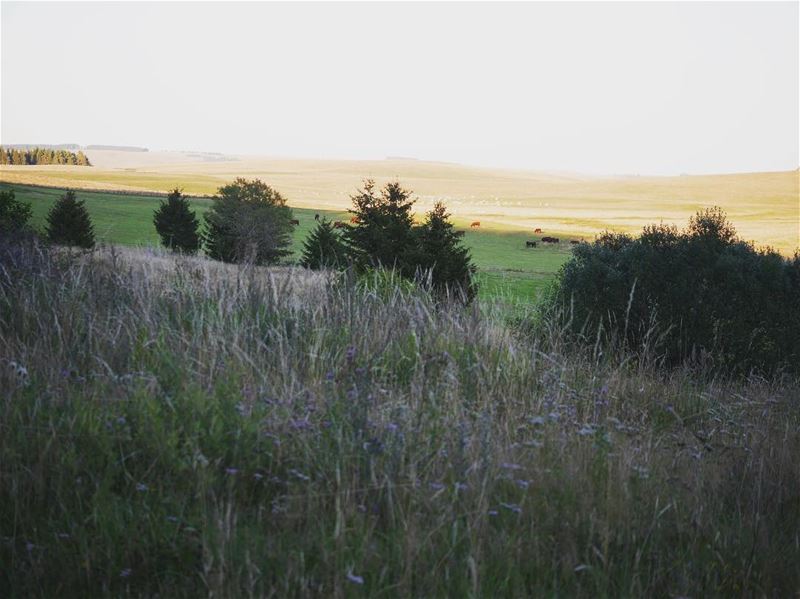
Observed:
{"x":765,"y":207}
{"x":181,"y":427}
{"x":508,"y":269}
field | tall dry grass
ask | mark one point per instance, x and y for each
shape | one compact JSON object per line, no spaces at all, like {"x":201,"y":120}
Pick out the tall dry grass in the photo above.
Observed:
{"x":178,"y":431}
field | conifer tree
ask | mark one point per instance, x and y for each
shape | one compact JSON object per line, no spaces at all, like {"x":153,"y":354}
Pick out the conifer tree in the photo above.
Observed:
{"x":324,"y":248}
{"x":68,"y":222}
{"x":177,"y":224}
{"x":440,"y":256}
{"x":382,"y":234}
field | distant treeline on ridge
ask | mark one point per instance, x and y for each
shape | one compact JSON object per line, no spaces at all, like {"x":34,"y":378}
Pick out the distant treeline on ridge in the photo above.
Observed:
{"x":42,"y":156}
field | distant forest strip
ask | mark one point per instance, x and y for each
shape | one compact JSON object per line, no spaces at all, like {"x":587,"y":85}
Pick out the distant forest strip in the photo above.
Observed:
{"x":42,"y":156}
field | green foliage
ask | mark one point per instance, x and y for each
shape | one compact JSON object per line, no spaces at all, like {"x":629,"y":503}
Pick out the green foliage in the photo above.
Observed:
{"x":42,"y":156}
{"x":248,"y":222}
{"x":14,"y":215}
{"x":440,"y":255}
{"x":324,"y":248}
{"x":177,"y":224}
{"x":382,"y":235}
{"x":68,"y":222}
{"x":710,"y":295}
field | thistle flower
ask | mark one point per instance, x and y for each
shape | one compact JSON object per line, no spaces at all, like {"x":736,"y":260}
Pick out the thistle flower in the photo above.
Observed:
{"x":355,"y":579}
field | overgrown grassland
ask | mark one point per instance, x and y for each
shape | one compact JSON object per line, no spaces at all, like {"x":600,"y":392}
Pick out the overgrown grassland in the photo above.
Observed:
{"x":507,"y":268}
{"x":179,"y":428}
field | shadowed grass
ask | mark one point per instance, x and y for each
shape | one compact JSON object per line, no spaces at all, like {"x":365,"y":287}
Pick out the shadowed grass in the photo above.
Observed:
{"x":231,"y":432}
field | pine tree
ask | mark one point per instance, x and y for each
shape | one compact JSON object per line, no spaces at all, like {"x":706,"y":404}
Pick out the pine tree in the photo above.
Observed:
{"x":382,"y":235}
{"x":176,"y":224}
{"x":68,"y":222}
{"x":440,"y":257}
{"x":324,"y":248}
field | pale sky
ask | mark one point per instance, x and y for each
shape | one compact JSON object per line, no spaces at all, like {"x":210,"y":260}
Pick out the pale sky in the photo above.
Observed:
{"x":599,"y":88}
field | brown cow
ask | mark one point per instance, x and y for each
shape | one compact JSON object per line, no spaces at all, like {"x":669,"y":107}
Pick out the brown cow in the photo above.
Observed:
{"x":537,"y":230}
{"x":355,"y":220}
{"x":294,"y":222}
{"x":475,"y":224}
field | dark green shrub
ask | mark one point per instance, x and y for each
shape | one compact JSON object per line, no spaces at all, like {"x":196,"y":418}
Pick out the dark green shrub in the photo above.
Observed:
{"x":68,"y":222}
{"x":324,"y":248}
{"x":708,"y":293}
{"x":248,"y":222}
{"x":14,"y":215}
{"x":177,"y":224}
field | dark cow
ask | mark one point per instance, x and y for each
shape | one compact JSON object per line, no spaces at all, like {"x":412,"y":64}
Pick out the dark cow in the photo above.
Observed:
{"x":550,"y":240}
{"x":316,"y":217}
{"x":475,"y":224}
{"x":530,"y":244}
{"x":574,"y":241}
{"x":294,"y":222}
{"x":339,"y":224}
{"x":537,"y":231}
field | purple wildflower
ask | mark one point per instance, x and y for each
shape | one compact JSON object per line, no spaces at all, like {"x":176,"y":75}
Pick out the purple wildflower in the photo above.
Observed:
{"x":493,"y":512}
{"x":141,"y":487}
{"x":436,"y":486}
{"x":125,"y":572}
{"x":231,"y":471}
{"x":512,"y":507}
{"x":351,"y":353}
{"x":329,"y":376}
{"x":510,"y":466}
{"x":355,"y":579}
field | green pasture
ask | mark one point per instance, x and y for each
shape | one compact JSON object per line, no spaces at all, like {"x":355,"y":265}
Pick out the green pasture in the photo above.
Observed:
{"x":507,"y":269}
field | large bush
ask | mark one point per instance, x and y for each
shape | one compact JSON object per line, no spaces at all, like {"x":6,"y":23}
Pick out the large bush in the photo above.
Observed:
{"x":14,"y":215}
{"x":706,"y":293}
{"x":248,"y":222}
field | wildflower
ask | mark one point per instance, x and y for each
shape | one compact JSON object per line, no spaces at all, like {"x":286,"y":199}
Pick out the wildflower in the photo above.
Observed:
{"x":30,"y":546}
{"x":352,"y":393}
{"x":493,"y":513}
{"x":523,"y":484}
{"x":510,"y":466}
{"x":351,"y":353}
{"x":355,"y":579}
{"x":121,"y":421}
{"x":258,"y":476}
{"x":392,"y":427}
{"x":231,"y":471}
{"x":172,"y":518}
{"x":436,"y":486}
{"x":586,"y":431}
{"x":125,"y":572}
{"x":297,"y":474}
{"x":536,"y":421}
{"x":141,"y":487}
{"x":512,"y":507}
{"x":553,"y":416}
{"x":361,"y":371}
{"x":329,"y":376}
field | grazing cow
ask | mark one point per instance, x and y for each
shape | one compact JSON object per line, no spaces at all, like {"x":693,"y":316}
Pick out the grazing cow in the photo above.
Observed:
{"x":574,"y":241}
{"x":354,"y":220}
{"x":316,"y":217}
{"x":537,"y":231}
{"x":294,"y":221}
{"x":475,"y":224}
{"x":339,"y":225}
{"x":530,"y":244}
{"x":550,"y":240}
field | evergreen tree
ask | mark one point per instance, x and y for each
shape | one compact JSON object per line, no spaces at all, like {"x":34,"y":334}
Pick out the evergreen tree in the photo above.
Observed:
{"x":440,"y":256}
{"x":68,"y":222}
{"x":176,"y":224}
{"x":382,"y":235}
{"x":324,"y":248}
{"x":248,"y":222}
{"x":14,"y":215}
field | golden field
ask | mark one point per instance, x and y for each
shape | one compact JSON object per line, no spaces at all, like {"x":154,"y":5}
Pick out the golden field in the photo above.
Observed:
{"x":764,"y":207}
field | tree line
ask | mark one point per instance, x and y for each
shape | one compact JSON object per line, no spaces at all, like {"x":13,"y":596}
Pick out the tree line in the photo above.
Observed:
{"x":250,"y":222}
{"x":32,"y":156}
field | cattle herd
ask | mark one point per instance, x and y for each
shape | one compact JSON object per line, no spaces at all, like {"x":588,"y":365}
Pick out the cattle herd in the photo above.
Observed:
{"x":548,"y":239}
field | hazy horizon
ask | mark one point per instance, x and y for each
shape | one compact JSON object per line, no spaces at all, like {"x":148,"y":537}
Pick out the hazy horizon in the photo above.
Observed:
{"x":601,"y":88}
